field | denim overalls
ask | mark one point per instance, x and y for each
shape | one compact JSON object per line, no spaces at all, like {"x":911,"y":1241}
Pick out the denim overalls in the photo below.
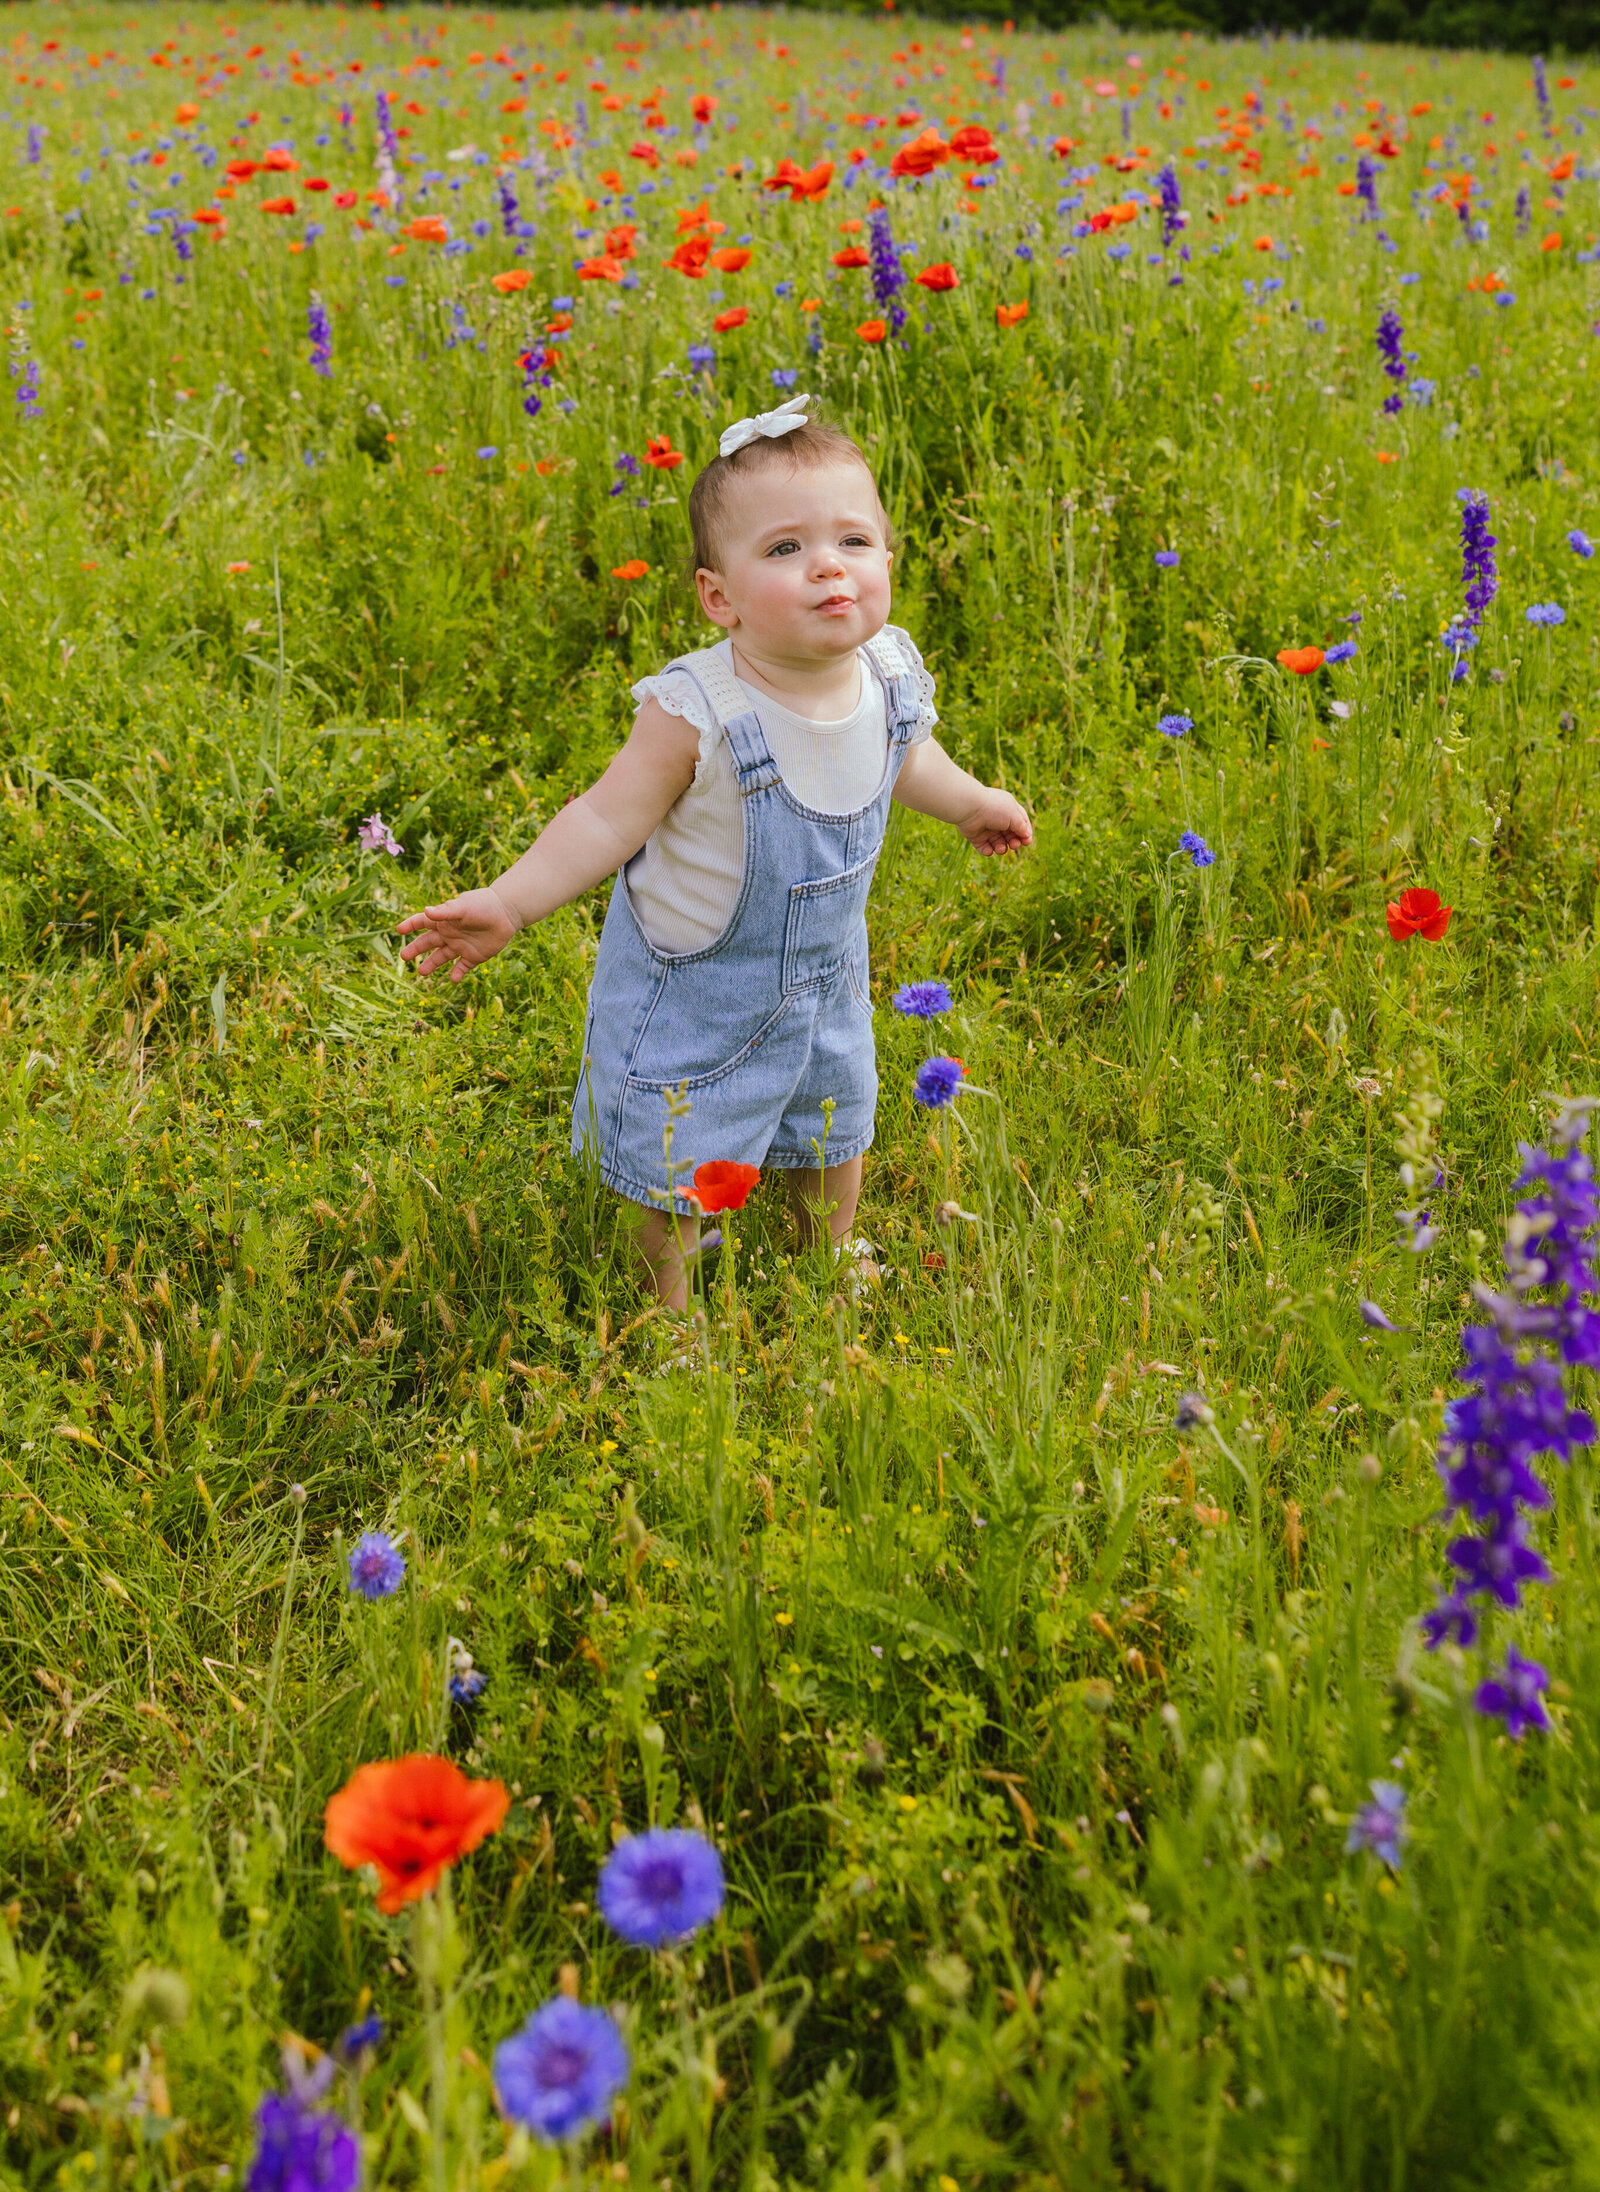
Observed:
{"x":774,"y":1016}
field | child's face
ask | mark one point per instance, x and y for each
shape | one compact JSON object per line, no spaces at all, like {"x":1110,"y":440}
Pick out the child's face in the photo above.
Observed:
{"x":805,"y":563}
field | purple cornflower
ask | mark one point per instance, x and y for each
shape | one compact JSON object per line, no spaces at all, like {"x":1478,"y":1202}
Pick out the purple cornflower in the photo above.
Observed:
{"x":660,"y":1887}
{"x":181,"y":232}
{"x":356,"y":2039}
{"x":1479,"y":573}
{"x":1341,"y":651}
{"x":1194,"y":1412}
{"x":36,"y":138}
{"x":1580,"y":544}
{"x":376,"y":1567}
{"x":1367,"y":186}
{"x":559,"y":2075}
{"x":28,"y":391}
{"x":1512,"y":1694}
{"x":1166,"y":559}
{"x":936,"y":1083}
{"x":375,"y":835}
{"x":702,"y":358}
{"x":534,"y":363}
{"x":1381,"y":1825}
{"x":321,"y":337}
{"x":302,"y":2149}
{"x":388,"y":151}
{"x":1546,"y":613}
{"x":1541,"y":90}
{"x":1173,"y":218}
{"x":510,"y":211}
{"x":1392,"y":344}
{"x":1371,"y":1314}
{"x":888,"y":275}
{"x":1198,"y":850}
{"x":1516,"y":1408}
{"x":1175,"y":726}
{"x":922,"y":1000}
{"x":1524,"y":210}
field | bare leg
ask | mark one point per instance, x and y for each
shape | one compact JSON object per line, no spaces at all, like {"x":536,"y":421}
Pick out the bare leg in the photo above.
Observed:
{"x":665,"y":1246}
{"x":840,"y":1184}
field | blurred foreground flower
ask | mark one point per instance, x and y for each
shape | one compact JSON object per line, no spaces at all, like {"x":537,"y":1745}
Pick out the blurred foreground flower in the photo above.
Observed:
{"x":302,"y":2149}
{"x":660,"y":1887}
{"x":559,"y":2075}
{"x":1380,"y":1826}
{"x":1512,"y":1694}
{"x":412,"y":1819}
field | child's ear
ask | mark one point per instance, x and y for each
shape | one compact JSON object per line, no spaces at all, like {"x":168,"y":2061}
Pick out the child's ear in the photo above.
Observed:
{"x":713,"y":600}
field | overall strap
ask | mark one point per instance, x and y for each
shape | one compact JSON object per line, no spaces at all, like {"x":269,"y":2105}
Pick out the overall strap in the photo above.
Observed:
{"x":729,"y":703}
{"x":900,"y":688}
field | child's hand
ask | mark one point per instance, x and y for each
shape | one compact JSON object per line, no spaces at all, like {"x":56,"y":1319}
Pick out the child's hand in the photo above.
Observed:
{"x":996,"y":823}
{"x":459,"y":935}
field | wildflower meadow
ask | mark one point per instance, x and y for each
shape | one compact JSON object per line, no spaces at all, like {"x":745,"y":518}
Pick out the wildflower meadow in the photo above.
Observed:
{"x":1104,"y":1691}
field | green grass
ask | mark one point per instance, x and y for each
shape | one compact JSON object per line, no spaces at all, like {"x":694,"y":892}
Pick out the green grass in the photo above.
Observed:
{"x":1029,"y":1726}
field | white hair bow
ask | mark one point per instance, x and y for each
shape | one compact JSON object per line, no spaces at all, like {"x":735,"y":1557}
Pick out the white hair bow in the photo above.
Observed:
{"x":769,"y":423}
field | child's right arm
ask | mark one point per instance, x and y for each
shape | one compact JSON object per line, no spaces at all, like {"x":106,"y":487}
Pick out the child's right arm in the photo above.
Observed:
{"x":588,"y":840}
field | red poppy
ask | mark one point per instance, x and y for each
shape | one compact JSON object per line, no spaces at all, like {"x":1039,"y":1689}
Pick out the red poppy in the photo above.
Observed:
{"x":277,"y":205}
{"x":942,"y":276}
{"x":344,"y":200}
{"x":703,"y":106}
{"x":1418,"y":913}
{"x":645,"y":152}
{"x":723,"y":1185}
{"x":1007,"y":315}
{"x":412,"y":1818}
{"x":974,"y":144}
{"x":241,"y":170}
{"x":1300,"y":661}
{"x":318,"y":182}
{"x":921,"y":156}
{"x":803,"y":184}
{"x":852,"y":255}
{"x":735,"y":316}
{"x":603,"y":269}
{"x":635,"y":567}
{"x":872,"y":331}
{"x":515,"y":279}
{"x":430,"y":229}
{"x":209,"y":217}
{"x":661,"y":453}
{"x":278,"y":162}
{"x":732,"y":259}
{"x":690,"y":257}
{"x":619,"y":241}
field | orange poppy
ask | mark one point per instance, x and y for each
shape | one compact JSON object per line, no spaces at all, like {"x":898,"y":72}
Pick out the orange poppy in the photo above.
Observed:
{"x":619,"y":241}
{"x":732,"y":259}
{"x":1007,"y":315}
{"x":1418,"y":913}
{"x":660,"y":452}
{"x":942,"y":276}
{"x":689,"y":257}
{"x":686,"y":156}
{"x":241,"y":170}
{"x":635,"y":567}
{"x":278,"y":162}
{"x":804,"y":185}
{"x":188,"y":112}
{"x":611,"y":179}
{"x":277,"y":205}
{"x":811,"y":304}
{"x":703,"y":106}
{"x":872,"y":331}
{"x":1551,"y":243}
{"x":412,"y":1818}
{"x":209,"y":217}
{"x":852,"y":255}
{"x":921,"y":156}
{"x":1263,"y":243}
{"x":735,"y":316}
{"x":512,"y":282}
{"x":1387,"y":456}
{"x":603,"y":269}
{"x":430,"y":229}
{"x":1300,"y":661}
{"x":723,"y":1185}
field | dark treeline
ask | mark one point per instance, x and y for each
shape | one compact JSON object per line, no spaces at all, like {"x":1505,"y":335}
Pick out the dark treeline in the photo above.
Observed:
{"x":1515,"y":26}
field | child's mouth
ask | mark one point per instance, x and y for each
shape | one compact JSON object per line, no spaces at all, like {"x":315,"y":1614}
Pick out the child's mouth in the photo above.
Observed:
{"x":836,"y":602}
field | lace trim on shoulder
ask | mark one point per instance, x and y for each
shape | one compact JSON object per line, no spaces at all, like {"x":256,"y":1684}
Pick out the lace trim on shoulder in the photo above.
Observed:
{"x":677,"y":692}
{"x":896,"y":654}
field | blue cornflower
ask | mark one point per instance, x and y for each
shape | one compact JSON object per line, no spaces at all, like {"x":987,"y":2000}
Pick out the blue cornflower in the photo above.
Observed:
{"x":1381,"y":1825}
{"x":661,"y":1886}
{"x":936,"y":1083}
{"x":785,"y":376}
{"x":1340,"y":651}
{"x":1173,"y":218}
{"x":356,"y":2039}
{"x":301,"y":2149}
{"x":1546,"y":612}
{"x":489,"y":450}
{"x":922,"y":1000}
{"x":701,"y":357}
{"x":1580,"y":544}
{"x":376,"y":1567}
{"x":559,"y":2075}
{"x":1175,"y":726}
{"x":1166,"y":559}
{"x":321,"y":336}
{"x":1391,"y":345}
{"x":1512,"y":1694}
{"x":468,"y":1686}
{"x":1198,"y":850}
{"x":1194,"y":1412}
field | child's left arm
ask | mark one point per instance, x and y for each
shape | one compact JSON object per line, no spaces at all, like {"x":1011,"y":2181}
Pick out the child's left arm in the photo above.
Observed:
{"x":930,"y":783}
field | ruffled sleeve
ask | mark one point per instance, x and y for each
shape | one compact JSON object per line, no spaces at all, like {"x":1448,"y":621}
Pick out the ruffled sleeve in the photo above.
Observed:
{"x":896,"y":652}
{"x":676,"y":692}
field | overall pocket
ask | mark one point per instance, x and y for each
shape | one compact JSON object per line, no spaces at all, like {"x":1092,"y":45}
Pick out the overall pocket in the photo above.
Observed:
{"x":823,"y":922}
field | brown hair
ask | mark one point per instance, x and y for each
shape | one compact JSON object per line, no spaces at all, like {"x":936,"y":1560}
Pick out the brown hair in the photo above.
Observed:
{"x":808,"y":448}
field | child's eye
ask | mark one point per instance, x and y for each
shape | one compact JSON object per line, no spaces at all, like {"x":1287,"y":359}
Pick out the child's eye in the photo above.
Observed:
{"x":856,"y":540}
{"x":784,"y":548}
